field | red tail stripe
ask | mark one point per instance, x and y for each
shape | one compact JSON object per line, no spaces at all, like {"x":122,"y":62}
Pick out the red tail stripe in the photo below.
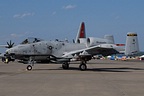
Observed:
{"x":82,"y":31}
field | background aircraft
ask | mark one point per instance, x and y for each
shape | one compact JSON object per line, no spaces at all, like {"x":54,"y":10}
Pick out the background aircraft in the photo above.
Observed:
{"x":131,"y":46}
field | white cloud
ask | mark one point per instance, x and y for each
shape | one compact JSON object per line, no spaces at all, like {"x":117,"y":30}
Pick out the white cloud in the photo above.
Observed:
{"x":117,"y":17}
{"x":53,"y":13}
{"x":69,"y":7}
{"x":16,"y":35}
{"x":23,"y":15}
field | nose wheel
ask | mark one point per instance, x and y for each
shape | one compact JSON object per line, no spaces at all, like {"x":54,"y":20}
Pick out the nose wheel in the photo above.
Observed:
{"x":31,"y":63}
{"x":29,"y":67}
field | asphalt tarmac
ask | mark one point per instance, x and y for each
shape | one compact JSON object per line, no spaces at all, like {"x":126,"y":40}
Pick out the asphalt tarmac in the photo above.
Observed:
{"x":103,"y":78}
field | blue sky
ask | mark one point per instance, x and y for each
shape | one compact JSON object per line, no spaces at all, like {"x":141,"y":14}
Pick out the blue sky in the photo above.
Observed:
{"x":51,"y":19}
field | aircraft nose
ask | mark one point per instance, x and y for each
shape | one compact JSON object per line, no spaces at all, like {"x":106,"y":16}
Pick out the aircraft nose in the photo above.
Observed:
{"x":9,"y":51}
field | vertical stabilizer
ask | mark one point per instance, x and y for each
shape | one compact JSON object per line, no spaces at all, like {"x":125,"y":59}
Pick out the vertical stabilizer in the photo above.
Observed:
{"x":132,"y":46}
{"x":81,"y":32}
{"x":110,"y":39}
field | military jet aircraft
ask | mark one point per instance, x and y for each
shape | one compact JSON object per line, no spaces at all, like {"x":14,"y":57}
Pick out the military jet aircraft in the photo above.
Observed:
{"x":35,"y":49}
{"x":32,"y":50}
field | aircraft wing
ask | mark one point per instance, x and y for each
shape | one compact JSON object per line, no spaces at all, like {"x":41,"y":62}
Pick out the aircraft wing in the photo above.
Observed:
{"x":103,"y":49}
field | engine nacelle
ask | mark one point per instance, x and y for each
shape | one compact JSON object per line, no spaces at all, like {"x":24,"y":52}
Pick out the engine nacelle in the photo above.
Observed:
{"x":82,"y":40}
{"x":91,"y":41}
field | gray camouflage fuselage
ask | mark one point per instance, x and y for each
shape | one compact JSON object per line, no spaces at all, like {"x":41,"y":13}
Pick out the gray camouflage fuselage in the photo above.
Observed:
{"x":41,"y":50}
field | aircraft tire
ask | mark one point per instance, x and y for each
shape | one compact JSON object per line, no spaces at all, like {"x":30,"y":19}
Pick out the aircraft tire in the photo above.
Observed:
{"x":65,"y":66}
{"x":83,"y":67}
{"x":29,"y":67}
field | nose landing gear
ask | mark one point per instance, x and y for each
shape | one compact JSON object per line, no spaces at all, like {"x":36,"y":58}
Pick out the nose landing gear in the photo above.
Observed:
{"x":29,"y":67}
{"x":31,"y":63}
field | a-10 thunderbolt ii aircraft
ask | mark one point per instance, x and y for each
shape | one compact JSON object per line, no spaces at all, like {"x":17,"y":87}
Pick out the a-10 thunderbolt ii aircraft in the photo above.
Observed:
{"x":34,"y":49}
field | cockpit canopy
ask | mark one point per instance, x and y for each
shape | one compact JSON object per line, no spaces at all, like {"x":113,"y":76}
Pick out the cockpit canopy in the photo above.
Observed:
{"x":31,"y":40}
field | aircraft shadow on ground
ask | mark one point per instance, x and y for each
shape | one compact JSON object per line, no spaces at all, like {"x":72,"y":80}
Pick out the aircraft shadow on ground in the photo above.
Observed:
{"x":121,"y":69}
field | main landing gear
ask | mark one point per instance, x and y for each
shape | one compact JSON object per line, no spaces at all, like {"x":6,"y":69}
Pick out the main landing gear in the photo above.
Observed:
{"x":82,"y":66}
{"x":65,"y":65}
